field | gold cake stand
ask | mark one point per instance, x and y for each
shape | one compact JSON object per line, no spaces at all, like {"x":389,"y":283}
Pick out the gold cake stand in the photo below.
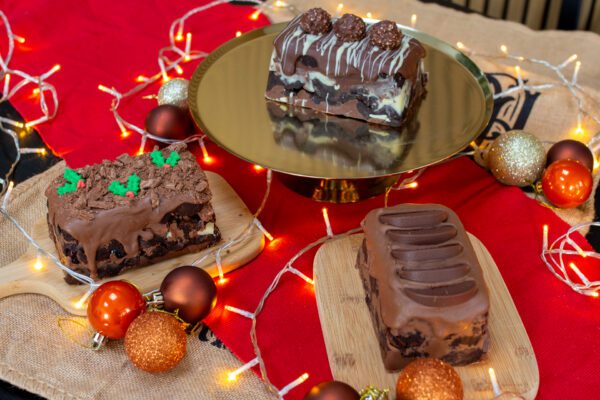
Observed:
{"x":226,"y":98}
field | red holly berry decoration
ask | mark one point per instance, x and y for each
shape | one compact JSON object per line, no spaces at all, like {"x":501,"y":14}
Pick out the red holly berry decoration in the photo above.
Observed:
{"x":113,"y":306}
{"x":567,"y":183}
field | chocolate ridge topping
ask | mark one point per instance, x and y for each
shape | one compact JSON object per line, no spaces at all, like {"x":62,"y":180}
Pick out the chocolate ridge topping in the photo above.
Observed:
{"x":425,"y":244}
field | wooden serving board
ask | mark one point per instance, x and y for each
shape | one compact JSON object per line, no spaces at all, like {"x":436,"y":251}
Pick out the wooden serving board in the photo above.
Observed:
{"x":353,"y":349}
{"x":232,"y":217}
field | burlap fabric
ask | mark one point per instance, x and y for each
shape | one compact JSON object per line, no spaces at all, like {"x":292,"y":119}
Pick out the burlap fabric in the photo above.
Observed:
{"x":36,"y":355}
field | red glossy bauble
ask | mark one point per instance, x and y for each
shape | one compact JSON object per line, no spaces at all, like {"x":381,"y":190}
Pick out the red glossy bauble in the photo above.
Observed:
{"x":567,"y":183}
{"x":113,"y":306}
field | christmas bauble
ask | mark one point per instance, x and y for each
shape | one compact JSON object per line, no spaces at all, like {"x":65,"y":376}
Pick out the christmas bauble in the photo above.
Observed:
{"x":567,"y":183}
{"x":169,"y":122}
{"x":191,"y":291}
{"x":113,"y":306}
{"x":517,"y":158}
{"x":155,"y":342}
{"x":332,"y":390}
{"x":429,"y":379}
{"x":174,"y":92}
{"x":571,"y":150}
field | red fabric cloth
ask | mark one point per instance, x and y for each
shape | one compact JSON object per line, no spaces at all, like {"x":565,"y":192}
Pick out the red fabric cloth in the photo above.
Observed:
{"x":111,"y":42}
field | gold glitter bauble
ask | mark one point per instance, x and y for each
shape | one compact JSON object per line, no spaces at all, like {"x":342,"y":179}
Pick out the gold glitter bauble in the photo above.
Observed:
{"x":174,"y":92}
{"x":429,"y":379}
{"x":155,"y":342}
{"x":517,"y":158}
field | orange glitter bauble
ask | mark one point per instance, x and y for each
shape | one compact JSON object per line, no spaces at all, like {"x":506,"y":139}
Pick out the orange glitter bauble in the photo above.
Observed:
{"x":429,"y":379}
{"x":155,"y":342}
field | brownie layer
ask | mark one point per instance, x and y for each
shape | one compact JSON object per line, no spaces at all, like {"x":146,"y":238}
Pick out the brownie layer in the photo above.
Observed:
{"x":355,"y":79}
{"x":424,"y":286}
{"x":184,"y":235}
{"x":100,"y":234}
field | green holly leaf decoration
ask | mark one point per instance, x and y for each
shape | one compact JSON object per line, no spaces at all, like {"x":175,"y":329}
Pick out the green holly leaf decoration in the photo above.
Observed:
{"x":132,"y":189}
{"x":173,"y":159}
{"x":74,"y":181}
{"x":66,"y":188}
{"x":159,"y":160}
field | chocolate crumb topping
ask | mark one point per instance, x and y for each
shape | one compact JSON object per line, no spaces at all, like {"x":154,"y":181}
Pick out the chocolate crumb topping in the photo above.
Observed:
{"x":350,"y":28}
{"x":385,"y":35}
{"x":316,"y":21}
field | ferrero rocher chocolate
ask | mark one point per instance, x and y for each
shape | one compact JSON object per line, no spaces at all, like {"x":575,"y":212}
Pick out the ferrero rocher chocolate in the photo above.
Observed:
{"x":350,"y":28}
{"x":315,"y":21}
{"x":385,"y":35}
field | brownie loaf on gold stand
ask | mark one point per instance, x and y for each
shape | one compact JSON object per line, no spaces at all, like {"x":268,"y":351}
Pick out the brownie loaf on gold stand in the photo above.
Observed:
{"x":424,"y":285}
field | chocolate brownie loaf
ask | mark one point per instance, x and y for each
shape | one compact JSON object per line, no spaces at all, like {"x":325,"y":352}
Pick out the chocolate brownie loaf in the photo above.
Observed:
{"x":424,"y":285}
{"x":343,"y":66}
{"x":130,"y":212}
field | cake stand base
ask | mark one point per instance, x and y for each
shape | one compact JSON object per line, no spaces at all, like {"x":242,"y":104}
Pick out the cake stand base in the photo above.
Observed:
{"x":338,"y":190}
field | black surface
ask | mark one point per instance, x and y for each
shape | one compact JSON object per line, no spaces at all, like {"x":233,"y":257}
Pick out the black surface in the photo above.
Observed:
{"x":30,"y":164}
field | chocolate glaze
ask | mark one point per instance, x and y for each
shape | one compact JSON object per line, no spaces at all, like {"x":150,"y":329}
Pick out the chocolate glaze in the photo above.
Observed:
{"x":351,"y":79}
{"x":341,"y":59}
{"x":424,"y":285}
{"x":95,"y":218}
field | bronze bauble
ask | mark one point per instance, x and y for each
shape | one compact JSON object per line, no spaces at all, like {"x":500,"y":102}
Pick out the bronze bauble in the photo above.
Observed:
{"x":190,"y":291}
{"x":155,"y":342}
{"x":571,"y":150}
{"x":169,"y":122}
{"x":332,"y":390}
{"x":429,"y":379}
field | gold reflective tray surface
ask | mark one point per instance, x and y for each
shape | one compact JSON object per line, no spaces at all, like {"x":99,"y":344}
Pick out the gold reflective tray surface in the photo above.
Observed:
{"x":226,"y":97}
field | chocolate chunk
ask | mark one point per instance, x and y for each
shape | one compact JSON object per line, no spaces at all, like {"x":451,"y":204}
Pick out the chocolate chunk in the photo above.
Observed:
{"x":385,"y":35}
{"x":316,"y":21}
{"x":350,"y":28}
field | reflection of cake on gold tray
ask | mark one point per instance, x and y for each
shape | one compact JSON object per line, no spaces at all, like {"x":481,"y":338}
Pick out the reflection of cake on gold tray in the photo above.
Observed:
{"x":343,"y":141}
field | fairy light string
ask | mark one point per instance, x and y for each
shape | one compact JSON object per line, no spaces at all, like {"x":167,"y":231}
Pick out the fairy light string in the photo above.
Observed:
{"x":577,"y":92}
{"x":553,"y":257}
{"x":13,"y":81}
